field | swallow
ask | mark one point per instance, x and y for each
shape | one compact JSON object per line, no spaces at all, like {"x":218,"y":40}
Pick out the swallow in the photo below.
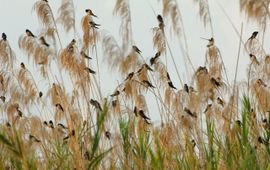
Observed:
{"x":266,"y":125}
{"x":70,"y":46}
{"x":51,"y":124}
{"x":253,"y":59}
{"x":263,"y":141}
{"x":135,"y":111}
{"x":43,"y":41}
{"x":202,"y":69}
{"x":190,"y":113}
{"x":116,"y":93}
{"x":145,"y":66}
{"x":85,"y":56}
{"x":94,"y":25}
{"x":45,"y":0}
{"x":95,"y":104}
{"x":90,"y":12}
{"x":4,"y":36}
{"x":22,"y":65}
{"x":193,"y":143}
{"x":186,"y":89}
{"x":168,"y":77}
{"x":29,"y":33}
{"x":108,"y":135}
{"x":215,"y":82}
{"x":160,"y":22}
{"x":89,"y":70}
{"x":3,"y":98}
{"x":153,"y":59}
{"x":238,"y":122}
{"x":220,"y":101}
{"x":260,"y":82}
{"x":19,"y":112}
{"x":171,"y":85}
{"x":62,"y":126}
{"x":33,"y":139}
{"x":130,"y":75}
{"x":148,"y":84}
{"x":141,"y":113}
{"x":40,"y":94}
{"x":207,"y":108}
{"x":136,"y":49}
{"x":254,"y":35}
{"x":59,"y":106}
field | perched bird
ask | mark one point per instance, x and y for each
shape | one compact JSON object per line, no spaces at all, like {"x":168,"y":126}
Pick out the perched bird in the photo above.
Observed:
{"x":220,"y":101}
{"x":136,"y":49}
{"x":190,"y":113}
{"x":141,"y":113}
{"x":145,"y":66}
{"x":171,"y":85}
{"x":40,"y":94}
{"x":148,"y":84}
{"x":160,"y":22}
{"x":45,"y":123}
{"x":51,"y":124}
{"x":254,"y":35}
{"x":4,"y":36}
{"x":238,"y":122}
{"x":153,"y":59}
{"x":3,"y":98}
{"x":59,"y":106}
{"x":22,"y":65}
{"x":186,"y":88}
{"x":85,"y":56}
{"x":116,"y":93}
{"x":89,"y":12}
{"x":19,"y":112}
{"x":266,"y":125}
{"x":263,"y":141}
{"x":95,"y":104}
{"x":71,"y":45}
{"x":130,"y":75}
{"x":215,"y":82}
{"x":207,"y":108}
{"x":159,"y":18}
{"x":168,"y":77}
{"x":43,"y":41}
{"x":33,"y":139}
{"x":29,"y":33}
{"x":108,"y":135}
{"x":253,"y":59}
{"x":94,"y":25}
{"x":89,"y":70}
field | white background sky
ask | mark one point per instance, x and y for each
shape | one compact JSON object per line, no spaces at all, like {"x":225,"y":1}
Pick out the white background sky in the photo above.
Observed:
{"x":17,"y":15}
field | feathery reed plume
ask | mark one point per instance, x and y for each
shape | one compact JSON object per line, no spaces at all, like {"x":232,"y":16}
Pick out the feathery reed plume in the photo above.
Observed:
{"x":66,"y":15}
{"x":204,"y":12}
{"x":159,"y":40}
{"x":122,"y":9}
{"x":7,"y":56}
{"x":44,"y":13}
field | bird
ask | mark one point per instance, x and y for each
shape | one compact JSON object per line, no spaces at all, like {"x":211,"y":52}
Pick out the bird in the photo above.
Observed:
{"x":19,"y":112}
{"x":262,"y":141}
{"x":130,"y":75}
{"x":95,"y":104}
{"x":51,"y":124}
{"x":171,"y":85}
{"x":116,"y":93}
{"x":3,"y":98}
{"x":220,"y":101}
{"x":4,"y":36}
{"x":141,"y":113}
{"x":211,"y":42}
{"x":215,"y":82}
{"x":135,"y":111}
{"x":168,"y":77}
{"x":186,"y":88}
{"x":85,"y":56}
{"x":22,"y":65}
{"x":148,"y":84}
{"x":145,"y":66}
{"x":254,"y":35}
{"x":136,"y":49}
{"x":153,"y":59}
{"x":160,"y":22}
{"x":43,"y":41}
{"x":70,"y":46}
{"x":94,"y":25}
{"x":190,"y":113}
{"x":89,"y":70}
{"x":29,"y":33}
{"x":45,"y":123}
{"x":58,"y":106}
{"x":260,"y":82}
{"x":253,"y":59}
{"x":33,"y":139}
{"x":108,"y":135}
{"x":207,"y":108}
{"x":90,"y":12}
{"x":40,"y":94}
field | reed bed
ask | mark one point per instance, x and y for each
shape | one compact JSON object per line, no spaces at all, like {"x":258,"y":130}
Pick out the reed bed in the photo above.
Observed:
{"x":68,"y":123}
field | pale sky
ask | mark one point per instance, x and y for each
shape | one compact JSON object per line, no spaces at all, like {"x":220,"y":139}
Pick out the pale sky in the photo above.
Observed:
{"x":17,"y":15}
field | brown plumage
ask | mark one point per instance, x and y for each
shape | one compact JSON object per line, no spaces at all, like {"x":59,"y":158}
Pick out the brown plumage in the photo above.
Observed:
{"x":29,"y":33}
{"x":96,"y":104}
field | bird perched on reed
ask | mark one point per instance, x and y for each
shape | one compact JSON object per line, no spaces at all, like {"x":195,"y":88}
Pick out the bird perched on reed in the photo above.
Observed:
{"x":160,"y":22}
{"x":3,"y":98}
{"x":153,"y":59}
{"x":136,"y":49}
{"x":85,"y":56}
{"x":34,"y":139}
{"x":40,"y":94}
{"x":129,"y":76}
{"x":90,"y":12}
{"x":51,"y":124}
{"x":29,"y":33}
{"x":148,"y":84}
{"x":171,"y":85}
{"x":94,"y":25}
{"x":59,"y":106}
{"x":253,"y":59}
{"x":116,"y":93}
{"x":89,"y":70}
{"x":142,"y":114}
{"x":4,"y":36}
{"x":190,"y":113}
{"x":254,"y":35}
{"x":108,"y":134}
{"x":22,"y":66}
{"x":186,"y":89}
{"x":96,"y":104}
{"x":43,"y":41}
